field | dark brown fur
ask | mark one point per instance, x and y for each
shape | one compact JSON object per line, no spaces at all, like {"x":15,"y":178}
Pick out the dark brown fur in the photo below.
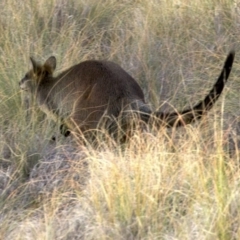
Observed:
{"x":94,"y":92}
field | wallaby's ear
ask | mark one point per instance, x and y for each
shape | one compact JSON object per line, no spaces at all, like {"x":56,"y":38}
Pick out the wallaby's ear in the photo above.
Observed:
{"x":50,"y":64}
{"x":35,"y":65}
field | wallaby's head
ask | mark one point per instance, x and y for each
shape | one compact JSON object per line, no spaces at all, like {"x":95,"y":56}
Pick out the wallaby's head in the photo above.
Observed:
{"x":38,"y":74}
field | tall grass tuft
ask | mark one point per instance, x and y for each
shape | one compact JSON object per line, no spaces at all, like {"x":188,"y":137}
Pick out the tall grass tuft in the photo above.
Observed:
{"x":165,"y":183}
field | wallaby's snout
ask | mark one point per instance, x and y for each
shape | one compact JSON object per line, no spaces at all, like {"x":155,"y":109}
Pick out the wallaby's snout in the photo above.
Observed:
{"x":22,"y":84}
{"x":26,"y":83}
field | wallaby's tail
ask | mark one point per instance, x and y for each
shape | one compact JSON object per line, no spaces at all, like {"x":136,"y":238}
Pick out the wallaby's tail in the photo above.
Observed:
{"x":191,"y":115}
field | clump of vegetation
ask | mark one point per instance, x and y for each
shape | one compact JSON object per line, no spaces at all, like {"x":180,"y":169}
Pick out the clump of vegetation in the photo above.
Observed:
{"x":165,"y":184}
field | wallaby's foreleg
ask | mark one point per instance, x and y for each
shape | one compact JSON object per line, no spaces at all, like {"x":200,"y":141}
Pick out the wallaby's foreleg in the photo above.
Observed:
{"x":64,"y":130}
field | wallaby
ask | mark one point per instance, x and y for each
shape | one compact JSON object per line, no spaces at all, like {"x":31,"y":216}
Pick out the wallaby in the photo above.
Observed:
{"x":85,"y":94}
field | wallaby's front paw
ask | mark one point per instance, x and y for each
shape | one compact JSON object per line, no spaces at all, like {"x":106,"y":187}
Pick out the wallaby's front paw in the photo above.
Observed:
{"x":64,"y":130}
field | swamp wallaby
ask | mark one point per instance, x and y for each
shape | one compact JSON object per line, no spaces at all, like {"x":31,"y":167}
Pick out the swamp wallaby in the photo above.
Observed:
{"x":92,"y":92}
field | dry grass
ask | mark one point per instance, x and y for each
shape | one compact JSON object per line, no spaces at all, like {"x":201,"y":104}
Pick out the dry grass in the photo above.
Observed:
{"x":166,"y":184}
